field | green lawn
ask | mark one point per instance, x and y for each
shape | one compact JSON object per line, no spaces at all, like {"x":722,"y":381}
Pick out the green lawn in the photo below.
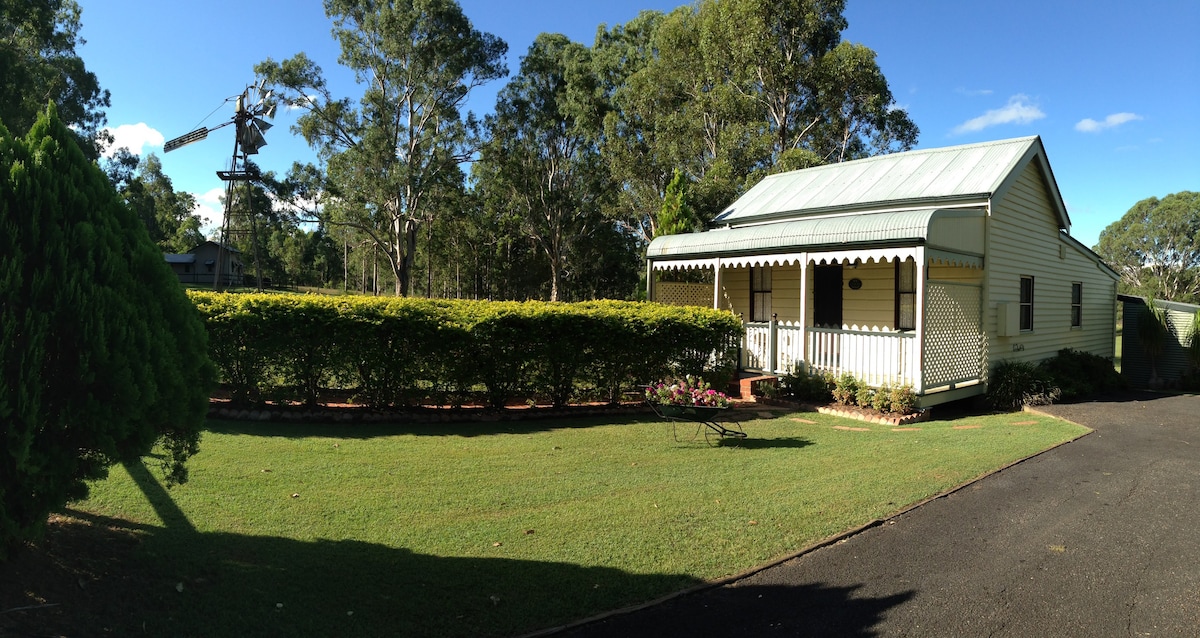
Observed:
{"x":499,"y":529}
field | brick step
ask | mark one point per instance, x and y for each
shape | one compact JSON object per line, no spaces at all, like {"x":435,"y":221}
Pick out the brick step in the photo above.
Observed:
{"x":751,"y":386}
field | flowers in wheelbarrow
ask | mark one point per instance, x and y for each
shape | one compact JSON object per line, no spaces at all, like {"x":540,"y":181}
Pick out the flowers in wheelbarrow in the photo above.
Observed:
{"x":688,"y":391}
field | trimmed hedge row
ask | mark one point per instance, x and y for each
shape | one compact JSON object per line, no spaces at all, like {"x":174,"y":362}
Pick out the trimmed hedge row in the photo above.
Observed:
{"x":398,"y":352}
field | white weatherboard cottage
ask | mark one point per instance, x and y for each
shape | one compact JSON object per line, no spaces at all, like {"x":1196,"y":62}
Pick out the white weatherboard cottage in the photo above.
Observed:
{"x":922,"y":268}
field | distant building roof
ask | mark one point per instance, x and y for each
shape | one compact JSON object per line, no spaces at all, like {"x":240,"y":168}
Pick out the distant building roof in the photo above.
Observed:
{"x":174,"y":258}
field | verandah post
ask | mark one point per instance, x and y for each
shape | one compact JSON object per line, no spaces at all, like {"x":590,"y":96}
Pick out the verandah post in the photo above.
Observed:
{"x":773,"y":344}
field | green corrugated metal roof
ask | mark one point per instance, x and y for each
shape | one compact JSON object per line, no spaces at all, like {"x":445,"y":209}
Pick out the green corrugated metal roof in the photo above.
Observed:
{"x":915,"y":178}
{"x":864,"y":228}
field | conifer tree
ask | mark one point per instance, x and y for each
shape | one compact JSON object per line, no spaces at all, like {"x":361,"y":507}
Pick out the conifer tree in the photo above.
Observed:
{"x":101,"y":353}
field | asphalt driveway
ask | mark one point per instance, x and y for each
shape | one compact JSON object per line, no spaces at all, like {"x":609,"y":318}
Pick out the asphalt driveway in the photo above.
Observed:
{"x":1099,"y":537}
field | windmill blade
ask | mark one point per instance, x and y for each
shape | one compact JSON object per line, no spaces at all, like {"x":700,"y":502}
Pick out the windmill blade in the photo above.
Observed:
{"x":184,"y":140}
{"x":263,"y":125}
{"x":251,"y":139}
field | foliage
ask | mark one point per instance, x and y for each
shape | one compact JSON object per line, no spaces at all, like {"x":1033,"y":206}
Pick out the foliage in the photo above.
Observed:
{"x":727,"y":90}
{"x":864,"y":397}
{"x":1081,"y":374}
{"x":902,"y":400}
{"x":39,"y":64}
{"x":541,"y":165}
{"x":393,"y":352}
{"x":1014,"y":383}
{"x":804,"y":384}
{"x":166,"y":213}
{"x":686,"y":391}
{"x":101,"y":355}
{"x":845,"y":390}
{"x":676,"y":215}
{"x":881,"y":401}
{"x":1156,"y":248}
{"x":389,"y":164}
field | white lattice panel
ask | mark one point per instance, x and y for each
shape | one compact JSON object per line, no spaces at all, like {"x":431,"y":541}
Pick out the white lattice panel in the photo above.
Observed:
{"x":953,"y":334}
{"x":678,"y":294}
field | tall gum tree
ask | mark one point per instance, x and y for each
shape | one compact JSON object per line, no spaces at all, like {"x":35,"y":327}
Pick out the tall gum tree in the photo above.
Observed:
{"x":541,"y":164}
{"x":38,"y":64}
{"x":1156,"y":247}
{"x":386,"y":158}
{"x":728,"y":91}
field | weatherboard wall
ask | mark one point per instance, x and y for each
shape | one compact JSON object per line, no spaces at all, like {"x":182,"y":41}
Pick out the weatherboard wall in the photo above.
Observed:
{"x":1023,"y":239}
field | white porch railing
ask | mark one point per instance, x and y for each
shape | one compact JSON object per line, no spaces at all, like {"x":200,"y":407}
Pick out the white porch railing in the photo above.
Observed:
{"x":876,"y":358}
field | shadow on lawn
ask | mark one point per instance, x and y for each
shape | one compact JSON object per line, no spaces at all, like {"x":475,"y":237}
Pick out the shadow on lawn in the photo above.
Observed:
{"x":465,"y":429}
{"x":811,"y":609}
{"x":177,"y":581}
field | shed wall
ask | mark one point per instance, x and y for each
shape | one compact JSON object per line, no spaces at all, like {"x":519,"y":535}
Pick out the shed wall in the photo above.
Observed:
{"x":1135,"y":365}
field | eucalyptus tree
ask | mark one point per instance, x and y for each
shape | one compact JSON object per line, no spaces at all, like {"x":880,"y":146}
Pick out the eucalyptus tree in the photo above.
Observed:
{"x":728,"y":91}
{"x":386,"y":158}
{"x":541,"y":164}
{"x":168,"y":214}
{"x":39,"y":64}
{"x":1156,"y":247}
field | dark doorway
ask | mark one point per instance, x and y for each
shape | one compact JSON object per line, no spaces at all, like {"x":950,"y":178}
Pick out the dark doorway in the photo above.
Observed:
{"x":827,"y":296}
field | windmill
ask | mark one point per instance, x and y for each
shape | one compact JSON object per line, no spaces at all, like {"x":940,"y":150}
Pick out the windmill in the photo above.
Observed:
{"x":250,"y":125}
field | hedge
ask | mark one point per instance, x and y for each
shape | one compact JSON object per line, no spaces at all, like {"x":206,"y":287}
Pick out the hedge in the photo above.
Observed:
{"x":402,"y":351}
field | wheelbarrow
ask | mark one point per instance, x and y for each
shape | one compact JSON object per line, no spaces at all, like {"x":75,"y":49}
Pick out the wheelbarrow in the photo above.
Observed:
{"x":715,"y":422}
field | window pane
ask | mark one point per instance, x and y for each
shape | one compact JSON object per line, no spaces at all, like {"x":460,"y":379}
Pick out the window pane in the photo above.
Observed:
{"x":762,"y":307}
{"x":1026,"y":289}
{"x":1076,"y":293}
{"x":906,"y":277}
{"x":1076,"y":316}
{"x":907,"y":319}
{"x":1026,"y":317}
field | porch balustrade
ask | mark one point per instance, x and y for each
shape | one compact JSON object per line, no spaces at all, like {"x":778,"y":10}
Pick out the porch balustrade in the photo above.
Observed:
{"x":876,"y":358}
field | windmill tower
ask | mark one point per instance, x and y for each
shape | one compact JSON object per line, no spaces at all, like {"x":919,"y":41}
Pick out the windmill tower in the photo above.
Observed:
{"x":249,"y":126}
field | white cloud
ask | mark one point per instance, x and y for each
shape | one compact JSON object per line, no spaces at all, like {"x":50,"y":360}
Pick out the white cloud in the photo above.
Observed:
{"x":135,"y":137}
{"x":1088,"y":125}
{"x":1019,"y":110}
{"x":973,"y":92}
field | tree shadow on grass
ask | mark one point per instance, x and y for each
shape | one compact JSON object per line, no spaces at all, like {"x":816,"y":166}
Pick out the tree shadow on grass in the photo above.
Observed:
{"x":465,"y":429}
{"x":99,"y":575}
{"x":175,"y":580}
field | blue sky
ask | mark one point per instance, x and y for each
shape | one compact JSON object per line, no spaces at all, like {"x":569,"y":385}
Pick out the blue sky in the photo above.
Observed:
{"x":1112,"y":87}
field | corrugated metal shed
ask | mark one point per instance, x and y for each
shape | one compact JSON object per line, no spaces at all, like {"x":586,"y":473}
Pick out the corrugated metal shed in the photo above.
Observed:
{"x":1135,"y":365}
{"x":923,"y":178}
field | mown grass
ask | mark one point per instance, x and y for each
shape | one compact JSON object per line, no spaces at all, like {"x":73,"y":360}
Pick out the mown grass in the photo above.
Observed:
{"x":466,"y":530}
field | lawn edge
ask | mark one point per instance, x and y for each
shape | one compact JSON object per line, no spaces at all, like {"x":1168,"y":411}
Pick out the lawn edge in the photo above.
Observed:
{"x":812,"y":547}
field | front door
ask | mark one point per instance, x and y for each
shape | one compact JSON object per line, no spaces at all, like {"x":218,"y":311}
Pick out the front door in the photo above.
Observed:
{"x":827,"y":296}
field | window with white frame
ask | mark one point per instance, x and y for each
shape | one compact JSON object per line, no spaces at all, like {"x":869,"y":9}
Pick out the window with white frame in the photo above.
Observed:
{"x":760,"y":293}
{"x":1026,"y":304}
{"x":1076,"y":304}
